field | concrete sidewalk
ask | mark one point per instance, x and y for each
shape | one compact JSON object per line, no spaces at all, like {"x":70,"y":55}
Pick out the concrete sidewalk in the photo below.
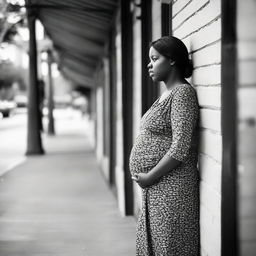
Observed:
{"x":59,"y":205}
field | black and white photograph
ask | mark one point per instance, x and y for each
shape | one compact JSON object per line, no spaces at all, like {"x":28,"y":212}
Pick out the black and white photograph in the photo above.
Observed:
{"x":127,"y":128}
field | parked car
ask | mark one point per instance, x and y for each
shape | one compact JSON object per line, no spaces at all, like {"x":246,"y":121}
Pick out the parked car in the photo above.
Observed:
{"x":6,"y":107}
{"x":21,"y":100}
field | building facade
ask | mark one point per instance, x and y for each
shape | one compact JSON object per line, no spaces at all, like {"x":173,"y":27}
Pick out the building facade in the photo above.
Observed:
{"x":225,"y":85}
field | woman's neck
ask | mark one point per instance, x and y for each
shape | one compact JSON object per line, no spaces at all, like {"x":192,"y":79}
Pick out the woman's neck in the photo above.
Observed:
{"x":174,"y":79}
{"x":170,"y":86}
{"x":172,"y":83}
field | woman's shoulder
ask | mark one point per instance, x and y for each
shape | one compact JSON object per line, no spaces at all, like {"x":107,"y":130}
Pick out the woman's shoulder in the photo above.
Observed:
{"x":184,"y":87}
{"x":183,"y":90}
{"x":185,"y":96}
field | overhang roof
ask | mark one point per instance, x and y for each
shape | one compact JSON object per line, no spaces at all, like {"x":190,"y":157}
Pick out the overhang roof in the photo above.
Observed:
{"x":79,"y":30}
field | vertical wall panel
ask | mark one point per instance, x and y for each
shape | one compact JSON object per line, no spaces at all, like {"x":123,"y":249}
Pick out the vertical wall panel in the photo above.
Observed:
{"x":137,"y":98}
{"x":99,"y":116}
{"x":246,"y":93}
{"x":197,"y":23}
{"x":229,"y":243}
{"x":127,"y":94}
{"x":106,"y":119}
{"x":112,"y":109}
{"x":149,"y":91}
{"x":137,"y":78}
{"x":156,"y":20}
{"x":119,"y":173}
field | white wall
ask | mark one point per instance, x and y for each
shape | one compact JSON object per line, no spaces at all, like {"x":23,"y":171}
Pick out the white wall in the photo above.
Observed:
{"x":137,"y":96}
{"x":156,"y":20}
{"x":106,"y":119}
{"x":99,"y":118}
{"x":198,"y":24}
{"x":119,"y":169}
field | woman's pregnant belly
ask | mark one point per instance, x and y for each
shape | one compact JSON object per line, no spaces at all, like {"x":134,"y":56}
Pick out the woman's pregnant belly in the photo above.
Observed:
{"x":147,"y":151}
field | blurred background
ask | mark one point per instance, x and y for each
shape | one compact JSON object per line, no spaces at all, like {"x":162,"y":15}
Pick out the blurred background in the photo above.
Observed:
{"x":15,"y":65}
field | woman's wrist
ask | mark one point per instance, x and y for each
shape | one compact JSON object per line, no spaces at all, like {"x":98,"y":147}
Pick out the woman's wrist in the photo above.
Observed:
{"x":152,"y":176}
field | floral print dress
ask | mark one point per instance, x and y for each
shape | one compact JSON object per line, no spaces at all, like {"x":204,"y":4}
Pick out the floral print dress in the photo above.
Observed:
{"x":169,"y":221}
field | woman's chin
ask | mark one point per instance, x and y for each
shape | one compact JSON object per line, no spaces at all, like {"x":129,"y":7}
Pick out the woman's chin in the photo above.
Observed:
{"x":154,"y":79}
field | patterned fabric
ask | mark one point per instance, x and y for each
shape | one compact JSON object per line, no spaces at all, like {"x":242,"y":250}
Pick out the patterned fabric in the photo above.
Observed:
{"x":169,"y":222}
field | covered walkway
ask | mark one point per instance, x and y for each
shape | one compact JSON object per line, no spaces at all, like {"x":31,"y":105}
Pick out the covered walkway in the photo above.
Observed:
{"x":58,"y":204}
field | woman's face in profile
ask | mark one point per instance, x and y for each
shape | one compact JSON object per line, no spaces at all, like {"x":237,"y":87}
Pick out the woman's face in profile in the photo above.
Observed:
{"x":159,"y":66}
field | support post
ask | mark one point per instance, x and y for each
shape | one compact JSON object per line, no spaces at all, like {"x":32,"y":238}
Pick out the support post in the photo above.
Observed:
{"x":113,"y":110}
{"x":34,"y":141}
{"x":126,"y":32}
{"x":229,"y":232}
{"x":166,"y":19}
{"x":149,"y":90}
{"x":51,"y":129}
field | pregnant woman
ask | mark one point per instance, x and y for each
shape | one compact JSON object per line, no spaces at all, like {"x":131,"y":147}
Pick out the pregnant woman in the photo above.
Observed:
{"x":163,"y":160}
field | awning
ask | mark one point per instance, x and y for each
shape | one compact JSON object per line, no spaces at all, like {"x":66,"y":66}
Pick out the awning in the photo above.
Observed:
{"x":79,"y":30}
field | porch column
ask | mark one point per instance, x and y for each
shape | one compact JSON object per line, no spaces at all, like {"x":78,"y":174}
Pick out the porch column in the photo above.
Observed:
{"x":149,"y":91}
{"x":127,"y":110}
{"x":229,"y":80}
{"x":34,"y":142}
{"x":51,"y":129}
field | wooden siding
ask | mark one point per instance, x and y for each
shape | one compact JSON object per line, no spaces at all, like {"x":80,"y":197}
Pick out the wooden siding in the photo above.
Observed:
{"x":198,"y":24}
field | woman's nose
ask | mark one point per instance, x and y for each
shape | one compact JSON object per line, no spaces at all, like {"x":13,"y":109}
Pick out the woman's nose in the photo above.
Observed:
{"x":149,"y":65}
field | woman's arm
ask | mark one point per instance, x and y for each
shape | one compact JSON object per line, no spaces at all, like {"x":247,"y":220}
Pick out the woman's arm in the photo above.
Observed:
{"x":164,"y":166}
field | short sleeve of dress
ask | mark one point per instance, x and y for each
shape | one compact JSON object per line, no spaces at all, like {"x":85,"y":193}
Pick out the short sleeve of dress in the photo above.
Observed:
{"x":183,"y":117}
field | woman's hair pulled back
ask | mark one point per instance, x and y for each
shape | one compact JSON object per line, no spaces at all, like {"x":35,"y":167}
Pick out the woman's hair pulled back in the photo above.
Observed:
{"x":173,"y":48}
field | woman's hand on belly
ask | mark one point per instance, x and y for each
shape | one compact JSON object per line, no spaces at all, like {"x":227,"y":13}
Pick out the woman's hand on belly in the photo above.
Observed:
{"x":163,"y":167}
{"x":143,"y":179}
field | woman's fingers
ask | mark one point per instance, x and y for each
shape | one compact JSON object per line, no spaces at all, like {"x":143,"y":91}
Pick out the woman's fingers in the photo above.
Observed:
{"x":135,"y":178}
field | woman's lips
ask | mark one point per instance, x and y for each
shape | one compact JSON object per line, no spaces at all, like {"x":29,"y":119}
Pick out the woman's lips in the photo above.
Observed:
{"x":150,"y":73}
